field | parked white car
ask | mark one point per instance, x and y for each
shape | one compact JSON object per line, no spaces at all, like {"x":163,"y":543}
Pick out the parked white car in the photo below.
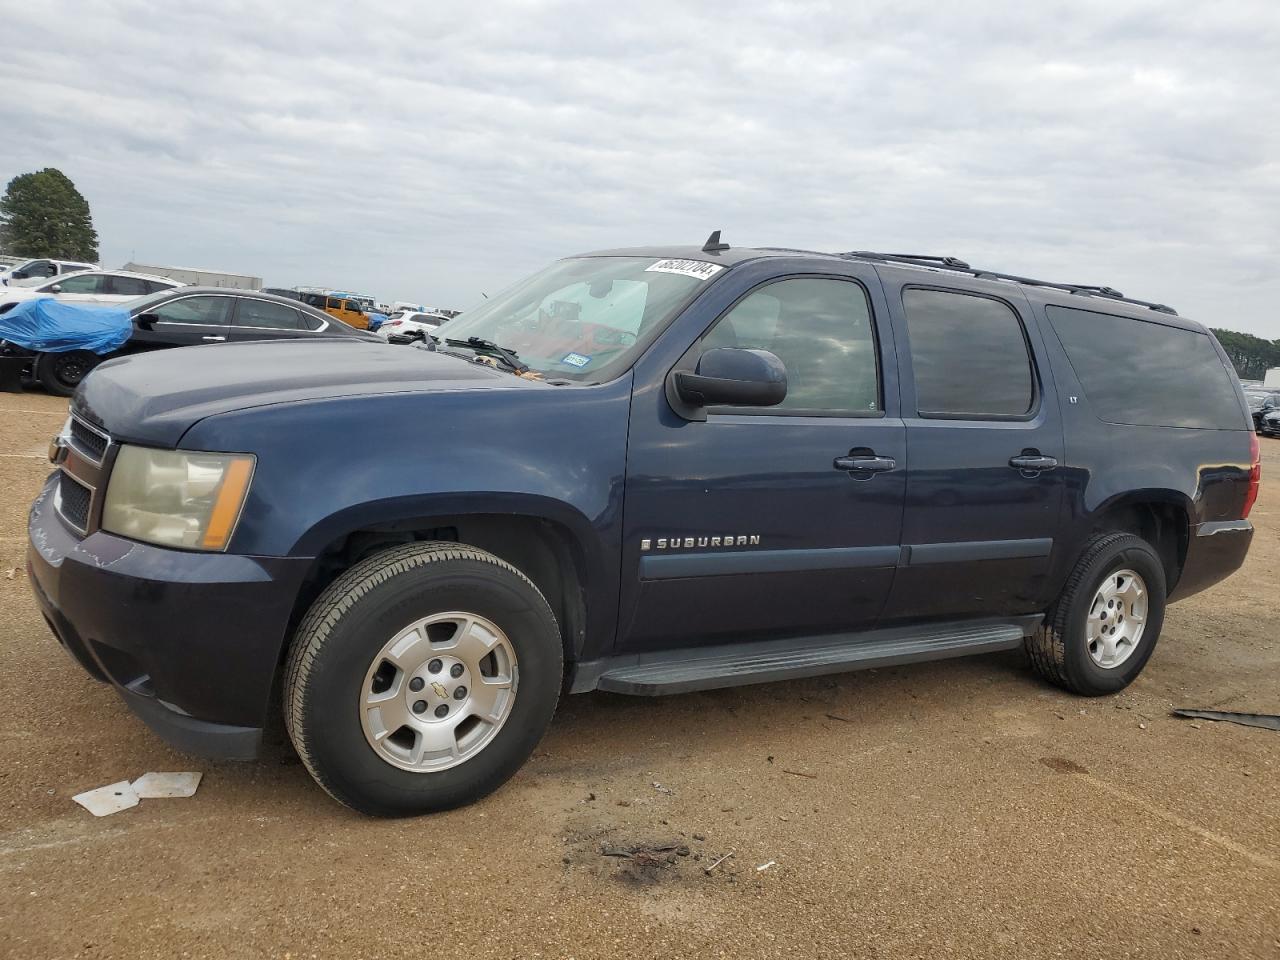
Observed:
{"x":410,"y":322}
{"x":89,"y":286}
{"x":41,"y":268}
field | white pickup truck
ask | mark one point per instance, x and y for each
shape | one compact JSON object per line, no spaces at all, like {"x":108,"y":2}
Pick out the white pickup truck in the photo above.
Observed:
{"x":42,"y":268}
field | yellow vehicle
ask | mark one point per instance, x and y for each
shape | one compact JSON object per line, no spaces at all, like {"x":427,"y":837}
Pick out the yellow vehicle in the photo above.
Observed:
{"x":348,"y":311}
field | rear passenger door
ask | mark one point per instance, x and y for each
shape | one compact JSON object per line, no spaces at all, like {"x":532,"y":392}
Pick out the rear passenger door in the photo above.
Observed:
{"x":121,"y":288}
{"x":984,"y":447}
{"x":265,"y":320}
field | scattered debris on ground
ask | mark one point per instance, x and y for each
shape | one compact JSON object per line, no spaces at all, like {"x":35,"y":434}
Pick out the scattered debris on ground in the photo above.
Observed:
{"x":716,"y":863}
{"x":104,"y":801}
{"x":152,"y":785}
{"x":1062,"y":765}
{"x":1267,"y":721}
{"x":166,"y":786}
{"x":648,"y":853}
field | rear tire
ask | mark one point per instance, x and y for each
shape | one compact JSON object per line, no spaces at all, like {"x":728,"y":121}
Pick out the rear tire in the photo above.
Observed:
{"x":1088,"y":642}
{"x":61,"y":373}
{"x":393,"y":630}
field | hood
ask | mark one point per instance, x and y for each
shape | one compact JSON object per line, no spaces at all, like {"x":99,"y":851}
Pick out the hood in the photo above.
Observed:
{"x":154,"y":398}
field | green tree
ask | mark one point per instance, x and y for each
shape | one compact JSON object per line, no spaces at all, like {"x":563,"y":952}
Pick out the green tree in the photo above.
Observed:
{"x":42,"y":214}
{"x":1251,"y":356}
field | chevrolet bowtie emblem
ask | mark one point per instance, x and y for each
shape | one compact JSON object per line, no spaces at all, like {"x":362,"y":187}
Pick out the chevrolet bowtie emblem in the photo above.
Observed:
{"x":439,"y":689}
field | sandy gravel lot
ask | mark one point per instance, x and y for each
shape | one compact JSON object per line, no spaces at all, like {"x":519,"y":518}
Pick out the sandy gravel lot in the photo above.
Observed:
{"x":959,"y":809}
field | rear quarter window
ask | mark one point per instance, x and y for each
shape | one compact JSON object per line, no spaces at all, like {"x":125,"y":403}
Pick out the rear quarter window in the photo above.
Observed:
{"x":1147,"y":373}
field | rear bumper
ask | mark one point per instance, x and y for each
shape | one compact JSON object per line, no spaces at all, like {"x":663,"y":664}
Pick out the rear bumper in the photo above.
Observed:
{"x":191,"y":641}
{"x":1215,"y":551}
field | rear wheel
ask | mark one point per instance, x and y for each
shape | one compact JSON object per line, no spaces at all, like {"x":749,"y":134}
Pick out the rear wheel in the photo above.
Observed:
{"x":61,"y":373}
{"x":422,"y":679}
{"x":1101,"y":631}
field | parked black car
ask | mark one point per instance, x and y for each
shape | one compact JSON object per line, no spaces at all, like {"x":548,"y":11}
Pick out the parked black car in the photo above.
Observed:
{"x":1269,"y":425}
{"x":1261,"y":403}
{"x":645,"y":471}
{"x":190,"y":316}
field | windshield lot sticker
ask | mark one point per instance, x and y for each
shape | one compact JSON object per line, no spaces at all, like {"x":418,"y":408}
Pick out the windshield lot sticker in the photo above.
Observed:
{"x":686,"y":268}
{"x":575,"y":359}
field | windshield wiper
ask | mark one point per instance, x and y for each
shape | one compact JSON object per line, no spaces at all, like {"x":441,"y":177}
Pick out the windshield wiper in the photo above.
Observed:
{"x":509,"y":357}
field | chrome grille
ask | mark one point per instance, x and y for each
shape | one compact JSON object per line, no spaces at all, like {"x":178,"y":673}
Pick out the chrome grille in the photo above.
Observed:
{"x":91,"y":442}
{"x":74,"y":500}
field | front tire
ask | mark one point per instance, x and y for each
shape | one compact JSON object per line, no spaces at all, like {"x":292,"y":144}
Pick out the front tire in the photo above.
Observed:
{"x":422,"y":679}
{"x":1103,"y":628}
{"x":61,"y":373}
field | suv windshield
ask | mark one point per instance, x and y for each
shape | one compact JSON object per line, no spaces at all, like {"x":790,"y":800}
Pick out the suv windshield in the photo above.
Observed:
{"x":584,"y":318}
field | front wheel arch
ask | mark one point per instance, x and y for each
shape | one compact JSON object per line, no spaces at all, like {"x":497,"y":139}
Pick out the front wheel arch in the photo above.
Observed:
{"x":548,"y":552}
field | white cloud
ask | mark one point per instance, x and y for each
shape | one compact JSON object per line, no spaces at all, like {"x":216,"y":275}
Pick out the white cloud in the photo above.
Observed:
{"x":435,"y":151}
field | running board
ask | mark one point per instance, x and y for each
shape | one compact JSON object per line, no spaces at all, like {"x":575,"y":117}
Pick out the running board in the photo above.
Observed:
{"x":708,"y":668}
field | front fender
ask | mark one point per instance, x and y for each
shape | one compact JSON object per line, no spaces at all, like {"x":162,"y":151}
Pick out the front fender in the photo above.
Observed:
{"x":327,"y":468}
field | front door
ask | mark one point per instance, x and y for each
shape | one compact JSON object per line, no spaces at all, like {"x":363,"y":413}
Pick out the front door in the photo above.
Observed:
{"x":186,"y":321}
{"x":985,"y":444}
{"x":770,"y":521}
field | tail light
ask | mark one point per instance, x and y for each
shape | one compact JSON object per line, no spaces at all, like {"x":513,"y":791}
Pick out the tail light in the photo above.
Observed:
{"x":392,"y":323}
{"x":1255,"y":474}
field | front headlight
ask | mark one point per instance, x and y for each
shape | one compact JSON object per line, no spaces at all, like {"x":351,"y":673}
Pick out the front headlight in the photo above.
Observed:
{"x":176,"y":498}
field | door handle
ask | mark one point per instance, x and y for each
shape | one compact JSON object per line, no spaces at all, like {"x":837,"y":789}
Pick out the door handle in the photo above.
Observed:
{"x":214,"y":339}
{"x":864,"y":463}
{"x":1032,"y":462}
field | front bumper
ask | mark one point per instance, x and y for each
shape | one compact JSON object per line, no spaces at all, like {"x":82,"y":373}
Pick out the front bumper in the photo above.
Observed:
{"x":191,"y":641}
{"x":1215,"y":551}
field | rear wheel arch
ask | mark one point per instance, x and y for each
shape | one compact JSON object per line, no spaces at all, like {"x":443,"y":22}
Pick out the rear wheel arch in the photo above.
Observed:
{"x":1160,"y":517}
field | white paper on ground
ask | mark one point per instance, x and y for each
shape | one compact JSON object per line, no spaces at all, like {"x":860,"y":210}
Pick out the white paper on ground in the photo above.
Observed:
{"x":162,"y":786}
{"x":109,"y":799}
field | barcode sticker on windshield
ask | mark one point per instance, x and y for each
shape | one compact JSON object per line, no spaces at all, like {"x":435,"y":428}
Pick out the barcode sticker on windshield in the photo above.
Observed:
{"x":575,"y":359}
{"x":686,"y":268}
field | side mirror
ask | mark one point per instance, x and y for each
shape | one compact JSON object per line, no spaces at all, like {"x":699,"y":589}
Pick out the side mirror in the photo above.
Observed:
{"x":56,"y":288}
{"x":147,"y":321}
{"x":735,"y":377}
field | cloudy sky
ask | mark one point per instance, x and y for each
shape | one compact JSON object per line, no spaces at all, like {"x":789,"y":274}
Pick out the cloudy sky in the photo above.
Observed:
{"x":434,"y":151}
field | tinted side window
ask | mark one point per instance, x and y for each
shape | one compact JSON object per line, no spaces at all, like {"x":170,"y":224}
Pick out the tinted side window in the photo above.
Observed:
{"x":821,"y":331}
{"x":88,"y":283}
{"x":205,"y":310}
{"x":262,"y":313}
{"x":968,"y":354}
{"x":309,"y":322}
{"x":130,"y":287}
{"x":1135,"y":371}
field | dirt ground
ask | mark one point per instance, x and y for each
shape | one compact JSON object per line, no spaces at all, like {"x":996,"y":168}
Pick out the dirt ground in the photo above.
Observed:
{"x":958,"y":809}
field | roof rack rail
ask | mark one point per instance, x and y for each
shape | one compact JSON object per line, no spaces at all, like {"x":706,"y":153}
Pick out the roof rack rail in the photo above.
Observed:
{"x":954,"y":263}
{"x":920,"y":259}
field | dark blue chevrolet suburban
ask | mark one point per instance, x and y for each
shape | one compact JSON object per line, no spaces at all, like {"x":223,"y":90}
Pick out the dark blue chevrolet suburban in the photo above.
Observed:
{"x":646,"y":471}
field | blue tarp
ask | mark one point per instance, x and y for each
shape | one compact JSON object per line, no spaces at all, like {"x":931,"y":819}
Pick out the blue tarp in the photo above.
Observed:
{"x":49,"y":326}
